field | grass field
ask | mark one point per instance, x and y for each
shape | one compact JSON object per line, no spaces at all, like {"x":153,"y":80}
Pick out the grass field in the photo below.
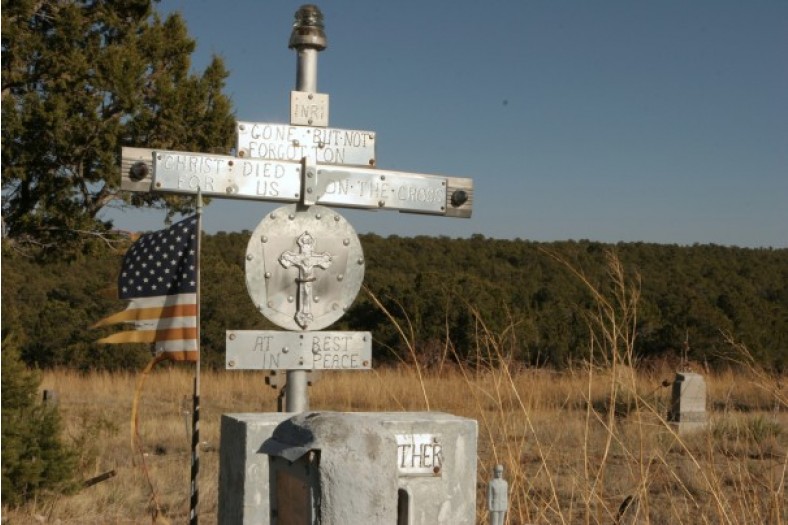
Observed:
{"x":576,"y":445}
{"x":587,"y":445}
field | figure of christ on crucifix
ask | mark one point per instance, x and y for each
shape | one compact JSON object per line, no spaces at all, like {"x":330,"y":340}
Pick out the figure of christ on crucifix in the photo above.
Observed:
{"x":306,"y":262}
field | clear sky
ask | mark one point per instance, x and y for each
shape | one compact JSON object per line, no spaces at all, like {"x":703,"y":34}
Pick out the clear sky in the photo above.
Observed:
{"x":658,"y":121}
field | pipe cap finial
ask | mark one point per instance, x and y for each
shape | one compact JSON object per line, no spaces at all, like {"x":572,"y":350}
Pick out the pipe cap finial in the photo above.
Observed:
{"x":308,"y":28}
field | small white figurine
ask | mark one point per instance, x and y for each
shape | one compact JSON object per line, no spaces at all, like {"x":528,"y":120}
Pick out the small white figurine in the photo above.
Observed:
{"x":497,"y":497}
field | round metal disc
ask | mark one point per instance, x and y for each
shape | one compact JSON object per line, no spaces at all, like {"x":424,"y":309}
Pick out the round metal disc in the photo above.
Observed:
{"x":304,"y":267}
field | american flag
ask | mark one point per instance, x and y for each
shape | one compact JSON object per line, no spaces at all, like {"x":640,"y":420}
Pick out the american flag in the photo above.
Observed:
{"x":159,"y":278}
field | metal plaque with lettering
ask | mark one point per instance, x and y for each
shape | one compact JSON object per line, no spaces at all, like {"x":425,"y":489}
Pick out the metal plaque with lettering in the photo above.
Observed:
{"x":419,"y":455}
{"x":260,"y":140}
{"x":278,"y":350}
{"x":308,"y":109}
{"x":374,"y":188}
{"x":181,"y":172}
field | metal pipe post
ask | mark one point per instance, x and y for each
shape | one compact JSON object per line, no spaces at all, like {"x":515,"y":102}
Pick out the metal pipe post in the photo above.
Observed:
{"x":308,"y":39}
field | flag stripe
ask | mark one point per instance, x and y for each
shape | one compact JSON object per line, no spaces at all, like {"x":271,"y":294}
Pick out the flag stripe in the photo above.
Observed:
{"x":138,"y":313}
{"x":166,"y":323}
{"x":182,"y":355}
{"x":172,"y":346}
{"x":151,"y":336}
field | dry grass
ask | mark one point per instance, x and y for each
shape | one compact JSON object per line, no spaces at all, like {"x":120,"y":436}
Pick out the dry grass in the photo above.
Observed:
{"x":589,"y":445}
{"x":566,"y":460}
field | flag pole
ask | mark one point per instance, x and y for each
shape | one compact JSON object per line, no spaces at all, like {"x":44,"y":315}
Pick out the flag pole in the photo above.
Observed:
{"x":195,"y":470}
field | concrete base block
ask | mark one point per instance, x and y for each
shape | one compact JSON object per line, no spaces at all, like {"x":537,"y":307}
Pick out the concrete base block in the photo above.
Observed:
{"x":243,"y":467}
{"x":432,"y":455}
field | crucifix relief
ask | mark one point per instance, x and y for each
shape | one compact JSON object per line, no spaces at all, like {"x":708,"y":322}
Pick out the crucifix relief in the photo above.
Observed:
{"x":306,"y":261}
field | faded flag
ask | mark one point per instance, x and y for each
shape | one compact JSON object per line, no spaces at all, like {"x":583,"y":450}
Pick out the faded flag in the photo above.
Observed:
{"x":159,"y":278}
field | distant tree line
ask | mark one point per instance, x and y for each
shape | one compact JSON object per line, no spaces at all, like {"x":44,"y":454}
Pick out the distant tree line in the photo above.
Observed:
{"x":439,"y":290}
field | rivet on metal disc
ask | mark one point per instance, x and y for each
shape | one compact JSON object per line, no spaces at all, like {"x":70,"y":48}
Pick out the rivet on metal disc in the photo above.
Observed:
{"x":158,"y":157}
{"x":285,"y":350}
{"x":340,"y":277}
{"x":158,"y":184}
{"x":346,"y":241}
{"x":249,"y":256}
{"x":241,"y":153}
{"x":381,"y":203}
{"x":335,"y":306}
{"x":267,"y":275}
{"x":382,"y":177}
{"x":315,"y":350}
{"x":231,"y":364}
{"x":270,"y":304}
{"x":317,"y":299}
{"x":309,"y":122}
{"x":360,"y":260}
{"x":241,"y":127}
{"x":290,"y":299}
{"x":231,"y":337}
{"x":291,"y":216}
{"x":365,"y":363}
{"x":230,"y":163}
{"x":318,"y":216}
{"x":336,"y":218}
{"x":301,"y":360}
{"x":309,"y":174}
{"x":309,"y":190}
{"x":296,"y":143}
{"x":264,"y":238}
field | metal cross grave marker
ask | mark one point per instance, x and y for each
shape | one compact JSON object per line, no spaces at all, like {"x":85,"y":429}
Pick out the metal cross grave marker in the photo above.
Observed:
{"x":307,"y":166}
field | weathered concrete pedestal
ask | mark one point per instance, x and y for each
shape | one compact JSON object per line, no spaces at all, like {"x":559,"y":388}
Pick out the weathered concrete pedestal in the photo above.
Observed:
{"x":688,"y":403}
{"x":336,"y":468}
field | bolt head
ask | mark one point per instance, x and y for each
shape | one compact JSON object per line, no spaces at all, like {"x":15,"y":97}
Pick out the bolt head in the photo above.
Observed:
{"x":138,"y":171}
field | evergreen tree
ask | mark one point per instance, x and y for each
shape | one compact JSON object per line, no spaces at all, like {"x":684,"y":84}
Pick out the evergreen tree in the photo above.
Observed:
{"x":35,"y":460}
{"x":81,"y":79}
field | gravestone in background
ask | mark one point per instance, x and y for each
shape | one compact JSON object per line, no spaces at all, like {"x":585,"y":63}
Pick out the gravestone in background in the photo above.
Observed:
{"x":688,"y":403}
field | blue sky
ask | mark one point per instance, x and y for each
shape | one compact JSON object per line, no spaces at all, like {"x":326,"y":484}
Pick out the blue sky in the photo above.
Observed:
{"x":657,"y":121}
